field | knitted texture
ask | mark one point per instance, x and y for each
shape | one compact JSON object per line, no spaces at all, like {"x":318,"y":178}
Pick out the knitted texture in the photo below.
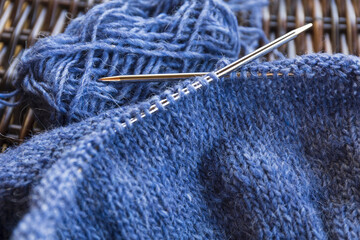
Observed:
{"x":59,"y":75}
{"x":242,"y":157}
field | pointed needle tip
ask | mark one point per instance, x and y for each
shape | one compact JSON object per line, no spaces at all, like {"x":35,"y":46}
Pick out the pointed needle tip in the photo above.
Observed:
{"x":104,"y":79}
{"x":303,"y":28}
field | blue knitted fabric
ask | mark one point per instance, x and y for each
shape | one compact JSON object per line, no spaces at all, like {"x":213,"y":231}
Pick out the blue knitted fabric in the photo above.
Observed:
{"x":243,"y":157}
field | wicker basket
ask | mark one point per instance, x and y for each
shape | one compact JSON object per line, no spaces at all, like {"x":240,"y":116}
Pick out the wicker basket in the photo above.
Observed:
{"x":23,"y":21}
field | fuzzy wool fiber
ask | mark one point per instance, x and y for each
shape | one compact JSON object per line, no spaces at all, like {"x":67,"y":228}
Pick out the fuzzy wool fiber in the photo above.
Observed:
{"x":59,"y":75}
{"x":243,"y":157}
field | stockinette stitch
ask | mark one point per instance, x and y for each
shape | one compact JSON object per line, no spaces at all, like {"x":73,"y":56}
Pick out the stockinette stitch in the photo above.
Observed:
{"x":243,"y":157}
{"x":246,"y":157}
{"x":59,"y":75}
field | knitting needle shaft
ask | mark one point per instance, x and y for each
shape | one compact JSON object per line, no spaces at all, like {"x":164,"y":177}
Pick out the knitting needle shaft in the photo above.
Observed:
{"x":197,"y":84}
{"x":151,"y":77}
{"x":227,"y":69}
{"x":263,"y":50}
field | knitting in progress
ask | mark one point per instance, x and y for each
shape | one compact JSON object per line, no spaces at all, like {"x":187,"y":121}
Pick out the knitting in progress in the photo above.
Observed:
{"x":132,"y":37}
{"x":243,"y":157}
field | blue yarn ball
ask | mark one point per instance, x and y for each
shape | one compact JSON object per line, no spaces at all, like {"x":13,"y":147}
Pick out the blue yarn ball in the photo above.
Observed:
{"x":59,"y":75}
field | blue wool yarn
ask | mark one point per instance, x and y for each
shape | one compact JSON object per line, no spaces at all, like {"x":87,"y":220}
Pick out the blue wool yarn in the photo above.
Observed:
{"x":59,"y":75}
{"x":244,"y":157}
{"x":250,"y":8}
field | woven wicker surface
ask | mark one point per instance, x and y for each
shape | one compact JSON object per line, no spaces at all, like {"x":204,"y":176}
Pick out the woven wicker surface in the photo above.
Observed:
{"x":336,"y":24}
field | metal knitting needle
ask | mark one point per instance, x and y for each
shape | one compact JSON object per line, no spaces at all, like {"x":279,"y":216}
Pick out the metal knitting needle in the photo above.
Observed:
{"x":151,"y":77}
{"x":197,"y":84}
{"x":229,"y":68}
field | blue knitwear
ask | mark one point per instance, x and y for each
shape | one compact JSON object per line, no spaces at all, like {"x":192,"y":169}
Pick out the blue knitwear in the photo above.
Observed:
{"x":243,"y":157}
